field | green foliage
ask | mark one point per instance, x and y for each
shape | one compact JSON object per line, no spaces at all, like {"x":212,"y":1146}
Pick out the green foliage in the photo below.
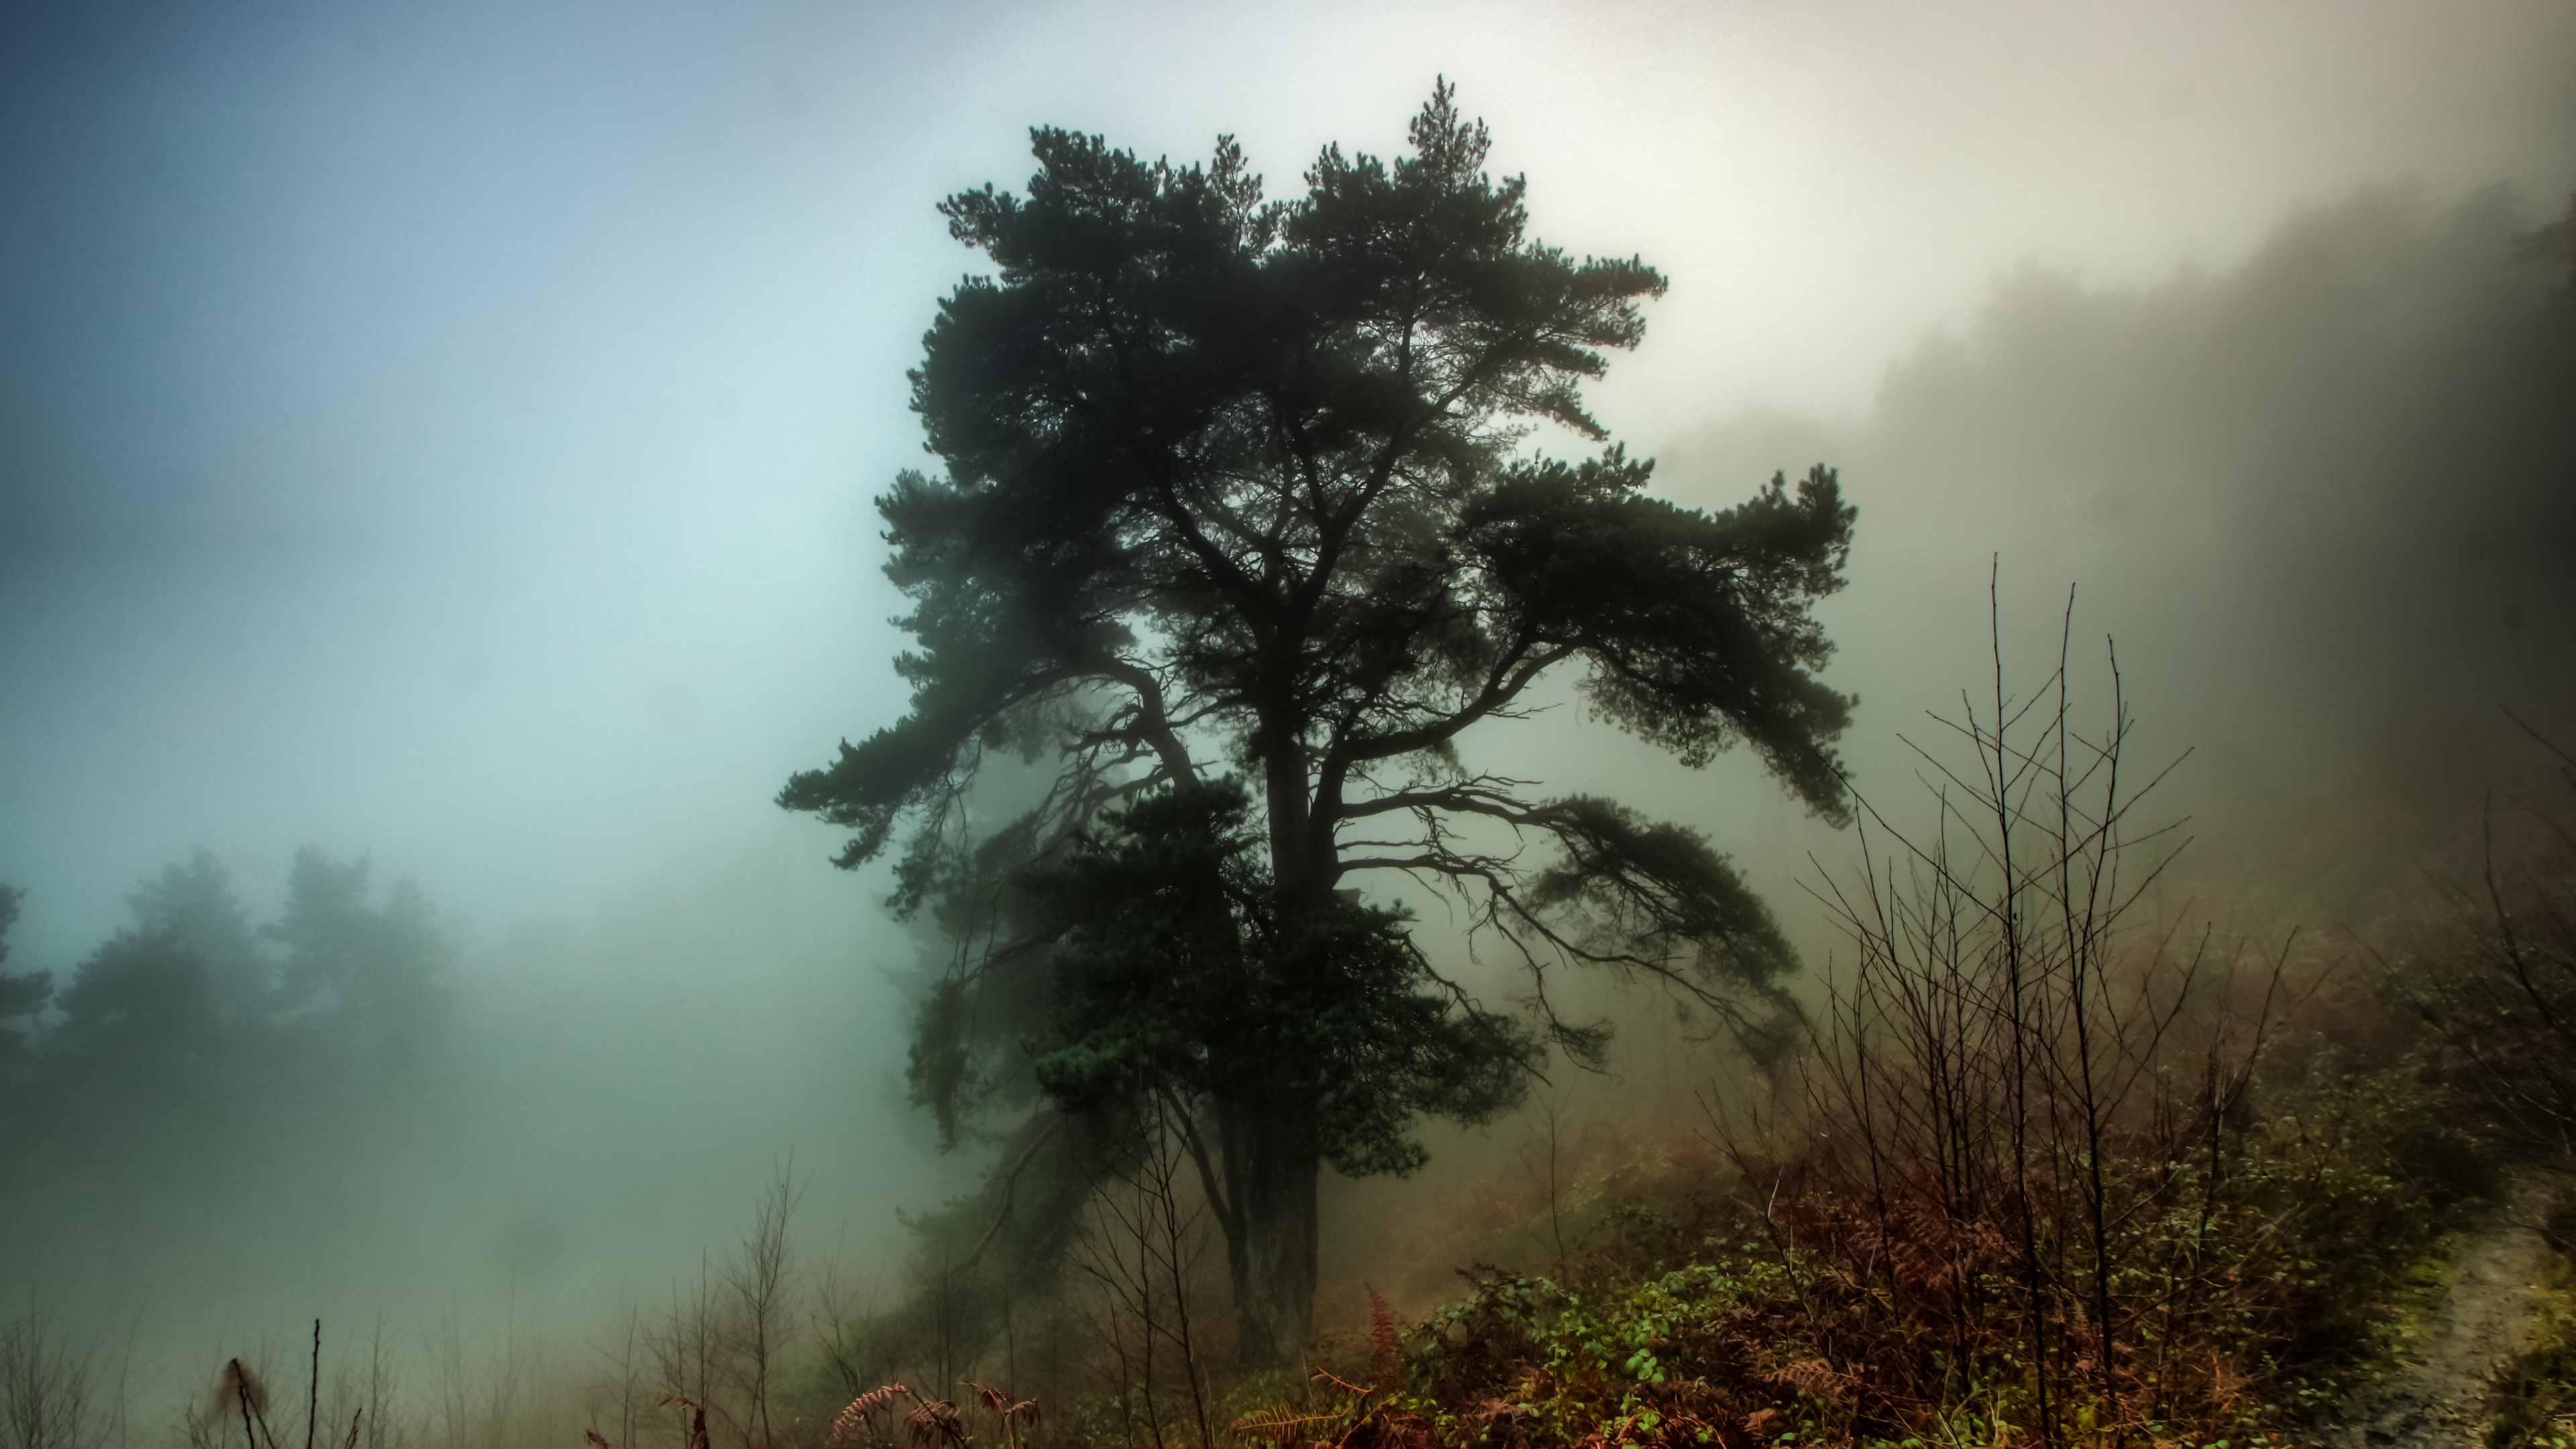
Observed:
{"x":1233,"y":475}
{"x":2532,"y":1404}
{"x":2493,"y":977}
{"x":2349,"y":1156}
{"x":1237,"y":484}
{"x":1697,"y":626}
{"x":941,"y":1068}
{"x":1178,"y":973}
{"x":1763,"y":1317}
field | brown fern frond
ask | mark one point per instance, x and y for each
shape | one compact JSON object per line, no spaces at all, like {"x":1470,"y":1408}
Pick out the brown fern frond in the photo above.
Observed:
{"x":596,"y":1442}
{"x":994,"y":1399}
{"x":853,"y":1420}
{"x":238,"y":1388}
{"x":697,"y":1419}
{"x":1386,"y":1357}
{"x":1812,"y":1376}
{"x":935,"y":1420}
{"x":1327,"y":1376}
{"x":1390,"y":1429}
{"x":237,"y":1384}
{"x":1026,"y":1411}
{"x":1280,"y":1425}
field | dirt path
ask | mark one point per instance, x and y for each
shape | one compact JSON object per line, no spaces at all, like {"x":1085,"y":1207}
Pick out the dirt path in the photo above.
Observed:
{"x":2435,"y":1400}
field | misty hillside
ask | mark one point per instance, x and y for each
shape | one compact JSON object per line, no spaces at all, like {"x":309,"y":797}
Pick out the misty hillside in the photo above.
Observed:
{"x":2320,"y":499}
{"x":2346,"y":447}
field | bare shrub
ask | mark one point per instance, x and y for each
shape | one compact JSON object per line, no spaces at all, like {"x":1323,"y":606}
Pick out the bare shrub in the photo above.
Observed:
{"x":723,"y":1347}
{"x":763,"y":1306}
{"x":2005,"y":1153}
{"x":57,"y":1391}
{"x":2493,"y":974}
{"x":1143,"y":1250}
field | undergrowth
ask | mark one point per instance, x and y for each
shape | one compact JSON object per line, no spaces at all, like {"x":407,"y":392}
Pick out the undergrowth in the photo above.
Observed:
{"x":1734,"y":1318}
{"x":2533,"y":1402}
{"x":2049,"y":1172}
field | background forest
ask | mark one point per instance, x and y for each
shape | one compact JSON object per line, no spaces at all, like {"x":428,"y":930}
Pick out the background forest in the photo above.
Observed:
{"x":611,"y":1105}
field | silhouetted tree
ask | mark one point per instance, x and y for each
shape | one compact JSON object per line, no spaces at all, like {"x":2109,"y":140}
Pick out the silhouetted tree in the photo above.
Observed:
{"x":138,"y":1015}
{"x":22,"y":997}
{"x":370,"y":974}
{"x":172,"y":999}
{"x":194,"y":905}
{"x":159,"y":997}
{"x":144,"y":1025}
{"x":1176,"y":975}
{"x":1235,"y":484}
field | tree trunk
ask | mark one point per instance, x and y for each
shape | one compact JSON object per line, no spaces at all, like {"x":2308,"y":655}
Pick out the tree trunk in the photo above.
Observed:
{"x":1269,"y":1142}
{"x":1270,"y":1166}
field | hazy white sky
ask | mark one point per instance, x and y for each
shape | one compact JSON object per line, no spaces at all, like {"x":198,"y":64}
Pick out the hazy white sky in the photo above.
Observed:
{"x":446,"y":430}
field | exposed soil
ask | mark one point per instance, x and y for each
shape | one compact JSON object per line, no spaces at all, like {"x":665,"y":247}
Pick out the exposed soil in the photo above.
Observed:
{"x":2436,"y":1398}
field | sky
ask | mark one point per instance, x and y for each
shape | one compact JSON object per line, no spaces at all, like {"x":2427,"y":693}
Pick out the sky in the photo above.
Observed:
{"x":445,"y":432}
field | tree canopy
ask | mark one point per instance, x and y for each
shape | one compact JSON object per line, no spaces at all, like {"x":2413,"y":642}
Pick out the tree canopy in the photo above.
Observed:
{"x":20,"y":996}
{"x":188,"y":1012}
{"x":1239,"y":532}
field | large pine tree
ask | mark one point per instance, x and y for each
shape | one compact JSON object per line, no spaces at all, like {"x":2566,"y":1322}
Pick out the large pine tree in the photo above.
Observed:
{"x":1238,"y":532}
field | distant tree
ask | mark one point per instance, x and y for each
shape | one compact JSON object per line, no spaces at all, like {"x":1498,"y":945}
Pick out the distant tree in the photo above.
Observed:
{"x":147,"y":1016}
{"x":22,"y":997}
{"x":155,"y":1001}
{"x":1240,"y":485}
{"x":369,"y":975}
{"x":164,"y":987}
{"x":138,"y":1013}
{"x":194,"y":904}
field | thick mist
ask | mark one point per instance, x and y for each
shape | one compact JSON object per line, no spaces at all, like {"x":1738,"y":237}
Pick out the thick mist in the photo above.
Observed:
{"x":442,"y":437}
{"x":2317,"y":504}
